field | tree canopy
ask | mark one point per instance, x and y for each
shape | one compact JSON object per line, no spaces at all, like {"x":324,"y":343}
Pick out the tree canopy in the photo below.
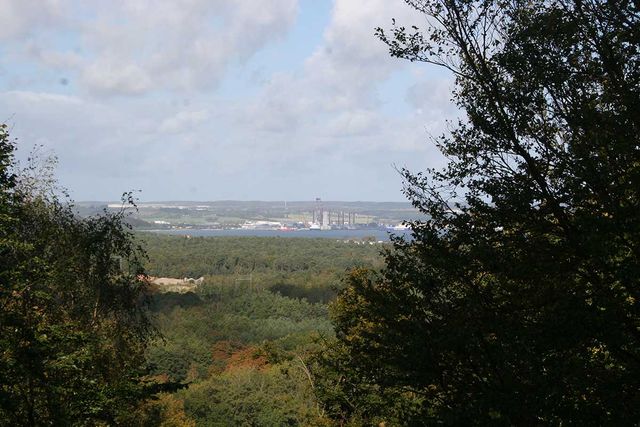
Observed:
{"x":73,"y":325}
{"x":517,"y":301}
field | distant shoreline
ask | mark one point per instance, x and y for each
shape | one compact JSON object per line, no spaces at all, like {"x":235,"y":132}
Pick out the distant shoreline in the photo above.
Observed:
{"x":358,"y":234}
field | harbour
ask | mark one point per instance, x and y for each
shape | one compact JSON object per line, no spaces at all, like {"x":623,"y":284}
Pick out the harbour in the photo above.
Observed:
{"x":369,"y":234}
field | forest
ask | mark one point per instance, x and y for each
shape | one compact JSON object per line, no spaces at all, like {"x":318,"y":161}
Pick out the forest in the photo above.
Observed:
{"x":243,"y":345}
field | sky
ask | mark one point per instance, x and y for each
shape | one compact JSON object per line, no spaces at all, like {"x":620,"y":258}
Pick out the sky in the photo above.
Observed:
{"x":220,"y":99}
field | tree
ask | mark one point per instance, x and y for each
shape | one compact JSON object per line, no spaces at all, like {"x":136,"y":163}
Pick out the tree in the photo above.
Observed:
{"x":518,"y":300}
{"x":73,"y":326}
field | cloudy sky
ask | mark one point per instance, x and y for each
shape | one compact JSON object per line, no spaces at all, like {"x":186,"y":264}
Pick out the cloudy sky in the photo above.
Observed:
{"x":219,"y":99}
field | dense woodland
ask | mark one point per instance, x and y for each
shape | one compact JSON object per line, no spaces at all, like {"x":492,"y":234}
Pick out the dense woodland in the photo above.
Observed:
{"x":246,"y":342}
{"x":294,"y":267}
{"x":199,"y":256}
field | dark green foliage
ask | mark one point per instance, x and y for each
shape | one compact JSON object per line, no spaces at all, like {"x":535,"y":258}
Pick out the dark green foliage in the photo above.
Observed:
{"x":72,"y":325}
{"x":313,"y":294}
{"x":239,"y":350}
{"x":164,"y":302}
{"x":242,"y":315}
{"x":350,"y":397}
{"x":199,"y":256}
{"x":518,"y":300}
{"x":275,"y":396}
{"x":243,"y":342}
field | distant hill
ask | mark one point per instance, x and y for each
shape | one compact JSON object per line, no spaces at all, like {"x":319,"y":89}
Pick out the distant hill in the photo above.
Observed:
{"x":230,"y":211}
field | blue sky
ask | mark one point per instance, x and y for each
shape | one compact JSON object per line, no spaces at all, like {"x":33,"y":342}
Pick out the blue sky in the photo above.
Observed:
{"x":219,"y":99}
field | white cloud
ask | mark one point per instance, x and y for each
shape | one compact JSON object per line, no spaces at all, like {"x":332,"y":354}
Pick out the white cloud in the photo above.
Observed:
{"x":131,"y":47}
{"x":354,"y":123}
{"x":178,"y":45}
{"x":141,"y":109}
{"x":55,"y":59}
{"x":432,"y":94}
{"x":21,"y":17}
{"x":110,"y":78}
{"x":182,"y":121}
{"x":334,"y":94}
{"x":24,"y":98}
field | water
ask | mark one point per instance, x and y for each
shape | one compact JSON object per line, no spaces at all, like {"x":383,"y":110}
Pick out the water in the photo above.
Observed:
{"x":327,"y":234}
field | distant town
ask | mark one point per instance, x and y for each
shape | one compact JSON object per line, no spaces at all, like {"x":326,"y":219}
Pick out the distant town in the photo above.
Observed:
{"x":317,"y":215}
